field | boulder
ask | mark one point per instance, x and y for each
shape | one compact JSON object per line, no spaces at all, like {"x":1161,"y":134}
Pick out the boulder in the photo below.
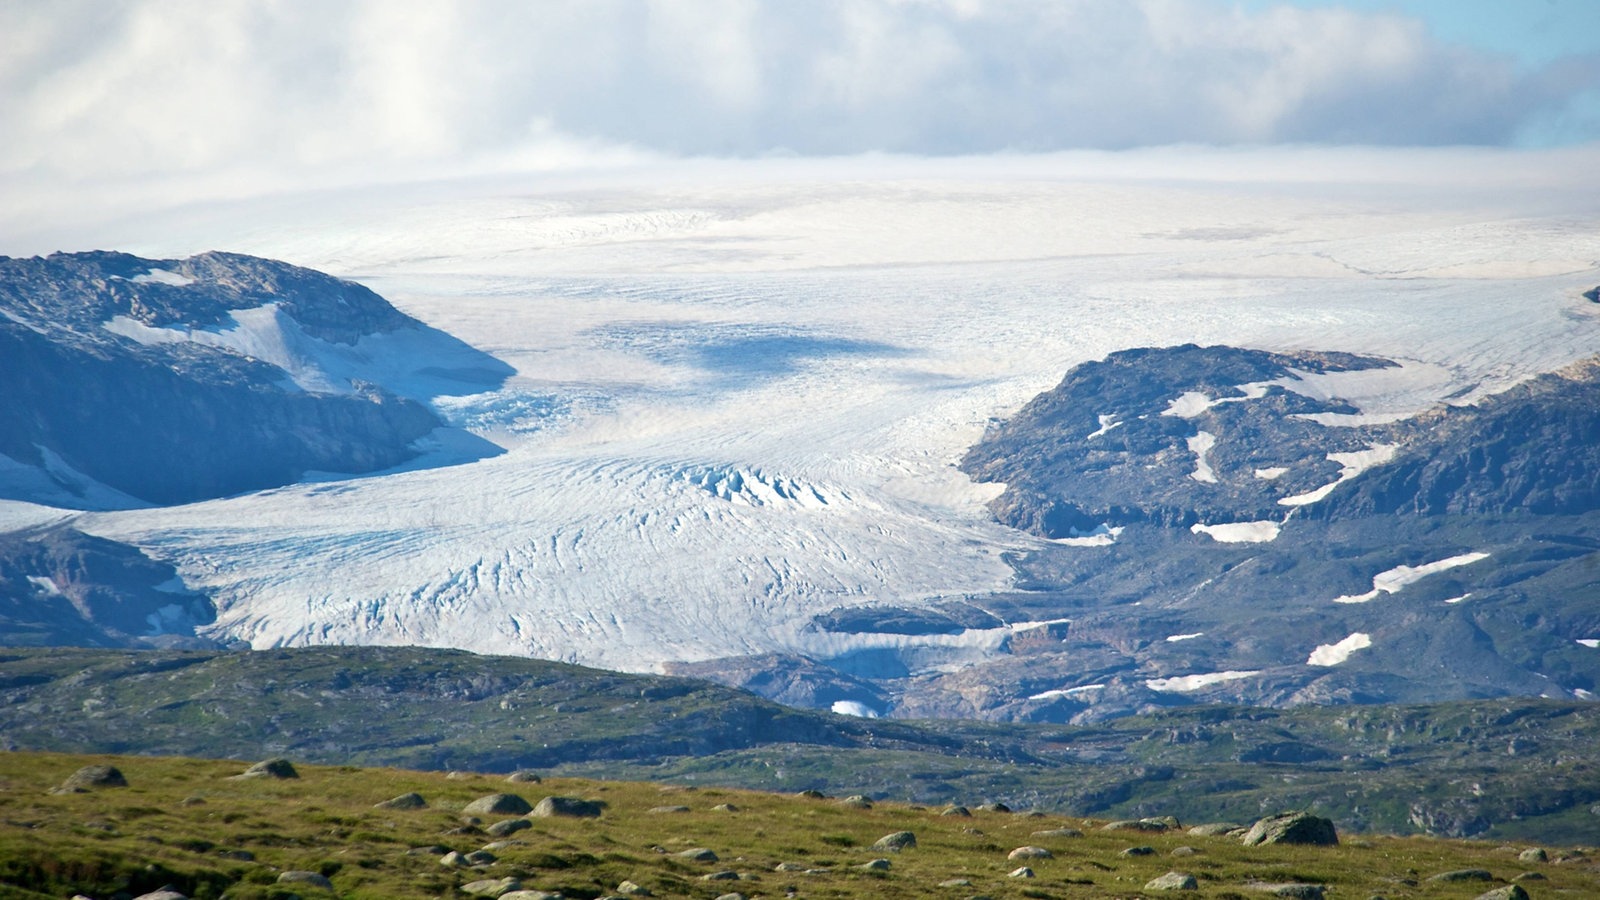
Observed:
{"x":1292,"y":890}
{"x":669,"y":809}
{"x":1215,"y":829}
{"x":498,"y":805}
{"x":529,"y":895}
{"x":164,"y":893}
{"x":481,"y":858}
{"x":1173,"y":881}
{"x":725,"y":807}
{"x":506,"y":827}
{"x":812,"y":795}
{"x":1020,"y":872}
{"x":93,"y":777}
{"x":633,"y":889}
{"x":725,"y":875}
{"x":733,"y":896}
{"x":1059,"y":833}
{"x":900,"y":840}
{"x":1151,"y":825}
{"x":308,"y":879}
{"x":1509,"y":892}
{"x":1030,"y":853}
{"x":278,"y":767}
{"x":454,"y":860}
{"x":876,"y":865}
{"x":568,"y":807}
{"x":491,"y":887}
{"x":404,"y":801}
{"x":957,"y":811}
{"x":1463,"y":875}
{"x":1533,"y":855}
{"x":524,"y":776}
{"x":1292,"y":828}
{"x":1138,"y":851}
{"x":699,"y":854}
{"x":955,"y":883}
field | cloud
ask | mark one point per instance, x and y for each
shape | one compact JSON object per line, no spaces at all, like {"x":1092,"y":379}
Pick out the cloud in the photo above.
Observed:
{"x":91,"y":89}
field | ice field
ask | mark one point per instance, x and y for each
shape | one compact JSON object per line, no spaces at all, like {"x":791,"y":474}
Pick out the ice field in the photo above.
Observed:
{"x":741,"y":391}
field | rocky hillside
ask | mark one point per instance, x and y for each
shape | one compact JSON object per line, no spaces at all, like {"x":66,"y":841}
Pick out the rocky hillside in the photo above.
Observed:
{"x":128,"y":381}
{"x":1502,"y":768}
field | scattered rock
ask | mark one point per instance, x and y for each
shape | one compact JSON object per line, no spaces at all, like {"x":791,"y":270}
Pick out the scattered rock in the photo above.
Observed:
{"x":524,"y":776}
{"x":90,"y":777}
{"x":498,"y":805}
{"x":1533,"y":854}
{"x":1530,"y":876}
{"x":789,"y":867}
{"x":900,"y":840}
{"x":463,"y":830}
{"x":812,"y":795}
{"x":1151,"y":825}
{"x":506,"y":827}
{"x":481,"y":858}
{"x":404,"y":801}
{"x":569,"y":807}
{"x":458,"y":776}
{"x":995,"y":807}
{"x":529,"y":895}
{"x":1020,"y":872}
{"x":856,"y":801}
{"x":632,"y":889}
{"x":1463,"y":875}
{"x":955,"y":882}
{"x":1030,"y":853}
{"x":454,"y":860}
{"x":1138,"y":851}
{"x":430,"y":850}
{"x":1183,"y":851}
{"x":309,"y":879}
{"x":163,"y":893}
{"x":492,"y":887}
{"x":725,"y":875}
{"x":1214,"y":829}
{"x":699,"y":854}
{"x":1059,"y":833}
{"x":1292,"y":890}
{"x":278,"y":767}
{"x":1292,"y":828}
{"x":733,"y":896}
{"x":957,"y":811}
{"x":876,"y":865}
{"x":192,"y":801}
{"x":669,"y":809}
{"x":725,"y":807}
{"x":1509,"y":892}
{"x":1173,"y":881}
{"x":240,"y":855}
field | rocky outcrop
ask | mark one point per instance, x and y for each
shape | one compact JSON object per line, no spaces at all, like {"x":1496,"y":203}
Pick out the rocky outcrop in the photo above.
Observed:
{"x":127,"y":380}
{"x":1292,"y":828}
{"x":59,"y":586}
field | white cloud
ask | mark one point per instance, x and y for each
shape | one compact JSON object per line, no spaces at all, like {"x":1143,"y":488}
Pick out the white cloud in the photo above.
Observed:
{"x":94,"y":90}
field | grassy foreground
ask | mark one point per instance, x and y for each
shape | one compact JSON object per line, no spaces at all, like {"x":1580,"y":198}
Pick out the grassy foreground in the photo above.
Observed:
{"x":186,"y":823}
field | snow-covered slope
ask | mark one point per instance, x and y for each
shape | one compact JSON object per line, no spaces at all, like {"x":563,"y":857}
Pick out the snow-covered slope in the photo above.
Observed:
{"x":739,"y":401}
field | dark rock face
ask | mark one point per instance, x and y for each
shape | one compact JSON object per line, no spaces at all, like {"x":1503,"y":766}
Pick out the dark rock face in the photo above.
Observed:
{"x":1292,"y":828}
{"x":1111,"y":445}
{"x":791,"y":680}
{"x":59,"y":586}
{"x":103,"y":382}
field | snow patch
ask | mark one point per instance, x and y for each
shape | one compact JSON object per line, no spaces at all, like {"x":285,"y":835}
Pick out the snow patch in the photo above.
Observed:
{"x":1067,"y":692}
{"x":854,"y":708}
{"x":1183,"y":684}
{"x":1106,"y":424}
{"x":1334,"y":654}
{"x":1102,"y":536}
{"x":46,"y":585}
{"x":1582,"y":694}
{"x":1174,"y":638}
{"x":1454,"y":600}
{"x":1591,"y":643}
{"x":1272,"y":473}
{"x":1391,"y":581}
{"x":162,"y":276}
{"x":1200,"y":445}
{"x":1188,"y":405}
{"x":1353,"y":463}
{"x":1240,"y":532}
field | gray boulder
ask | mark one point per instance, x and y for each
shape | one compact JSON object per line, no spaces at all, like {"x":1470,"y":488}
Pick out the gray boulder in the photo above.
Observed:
{"x":1292,"y":890}
{"x":90,"y":777}
{"x":1030,"y":853}
{"x":529,"y":895}
{"x":1020,"y":872}
{"x":1059,"y":833}
{"x":165,"y":893}
{"x":308,"y":879}
{"x":1215,"y":829}
{"x":507,"y":827}
{"x":1463,"y":875}
{"x":491,"y":887}
{"x":1173,"y":881}
{"x":1509,"y":892}
{"x":1292,"y":828}
{"x":277,"y":767}
{"x":875,"y":865}
{"x":498,"y":805}
{"x":1533,"y":854}
{"x":568,"y":807}
{"x":669,"y":809}
{"x":1151,"y":825}
{"x":699,"y":854}
{"x":725,"y":875}
{"x":404,"y":801}
{"x":524,"y":776}
{"x":900,"y":840}
{"x":961,"y":811}
{"x":1138,"y":851}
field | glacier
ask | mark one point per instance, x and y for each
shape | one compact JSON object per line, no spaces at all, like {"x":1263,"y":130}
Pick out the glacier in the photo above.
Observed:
{"x":739,"y":398}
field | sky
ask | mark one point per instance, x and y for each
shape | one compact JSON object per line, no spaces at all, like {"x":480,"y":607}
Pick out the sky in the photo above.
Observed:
{"x":295,"y":92}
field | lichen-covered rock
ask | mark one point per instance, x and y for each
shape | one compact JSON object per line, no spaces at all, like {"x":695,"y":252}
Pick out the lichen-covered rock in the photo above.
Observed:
{"x":1030,"y":853}
{"x":699,"y":854}
{"x":524,"y":776}
{"x":1463,"y":875}
{"x":1173,"y":881}
{"x":1292,"y":828}
{"x":1509,"y":892}
{"x":404,"y":801}
{"x":506,"y":827}
{"x":498,"y":805}
{"x":568,"y":807}
{"x":90,"y":777}
{"x":491,"y":887}
{"x":307,"y":879}
{"x":899,"y":840}
{"x":277,"y":767}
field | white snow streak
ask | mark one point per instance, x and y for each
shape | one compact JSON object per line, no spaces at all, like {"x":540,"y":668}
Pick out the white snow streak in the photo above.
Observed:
{"x":1392,"y":580}
{"x":1334,"y":654}
{"x":1103,"y":536}
{"x":1353,"y":463}
{"x":854,"y":708}
{"x":1067,"y":692}
{"x":1591,"y":643}
{"x":1240,"y":532}
{"x":1201,"y":444}
{"x":162,"y":276}
{"x":1185,"y":683}
{"x":1106,"y":424}
{"x":1175,"y":638}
